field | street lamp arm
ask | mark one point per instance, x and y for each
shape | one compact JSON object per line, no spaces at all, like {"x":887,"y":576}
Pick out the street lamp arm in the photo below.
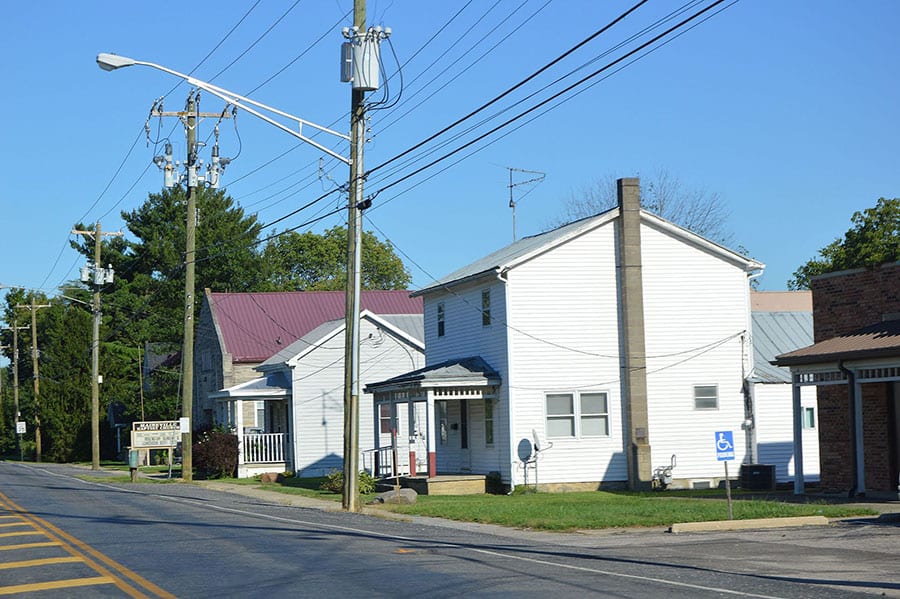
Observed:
{"x":110,"y":62}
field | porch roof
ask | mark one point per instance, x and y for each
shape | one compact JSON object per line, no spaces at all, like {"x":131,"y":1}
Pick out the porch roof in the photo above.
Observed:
{"x":465,"y":372}
{"x":274,"y":385}
{"x":876,"y":341}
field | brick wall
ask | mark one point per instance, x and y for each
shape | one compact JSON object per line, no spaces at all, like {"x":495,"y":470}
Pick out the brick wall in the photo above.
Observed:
{"x":844,"y":302}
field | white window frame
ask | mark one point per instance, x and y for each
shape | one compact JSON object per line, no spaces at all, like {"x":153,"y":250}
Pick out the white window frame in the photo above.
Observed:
{"x":809,"y":418}
{"x":577,"y":415}
{"x":489,"y":417}
{"x":696,"y":397}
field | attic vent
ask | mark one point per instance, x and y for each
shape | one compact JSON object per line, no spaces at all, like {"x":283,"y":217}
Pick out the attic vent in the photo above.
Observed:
{"x":890,"y":316}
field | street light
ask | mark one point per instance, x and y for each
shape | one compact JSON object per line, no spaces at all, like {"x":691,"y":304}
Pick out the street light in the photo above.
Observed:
{"x":364,"y":57}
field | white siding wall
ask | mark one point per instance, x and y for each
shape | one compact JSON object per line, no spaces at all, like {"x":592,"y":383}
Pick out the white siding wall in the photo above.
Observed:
{"x":696,"y":309}
{"x":465,"y":336}
{"x":565,"y":338}
{"x":775,"y":430}
{"x":318,"y":396}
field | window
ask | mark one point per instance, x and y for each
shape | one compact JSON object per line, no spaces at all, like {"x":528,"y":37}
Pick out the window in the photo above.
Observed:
{"x":486,"y":307}
{"x":560,"y":415}
{"x":706,"y":397}
{"x":809,"y":418}
{"x":488,"y":423}
{"x":441,"y":408}
{"x":440,"y":319}
{"x":384,"y":418}
{"x":261,"y":414}
{"x":586,"y":417}
{"x":594,"y":415}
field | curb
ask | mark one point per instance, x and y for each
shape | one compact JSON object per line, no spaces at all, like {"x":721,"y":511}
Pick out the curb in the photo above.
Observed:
{"x":748,"y":524}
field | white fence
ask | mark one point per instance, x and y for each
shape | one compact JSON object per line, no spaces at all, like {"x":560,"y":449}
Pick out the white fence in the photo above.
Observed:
{"x":263,"y":448}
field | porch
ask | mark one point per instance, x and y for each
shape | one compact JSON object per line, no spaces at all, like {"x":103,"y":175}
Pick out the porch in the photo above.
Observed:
{"x":381,"y":463}
{"x":258,"y":413}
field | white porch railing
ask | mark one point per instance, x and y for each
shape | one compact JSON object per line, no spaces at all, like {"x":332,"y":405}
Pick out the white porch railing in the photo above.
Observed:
{"x":385,"y":461}
{"x":263,"y":448}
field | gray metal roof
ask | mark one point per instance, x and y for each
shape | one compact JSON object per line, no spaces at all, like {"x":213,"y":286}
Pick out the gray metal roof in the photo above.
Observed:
{"x":273,"y":385}
{"x":509,"y":256}
{"x":411,"y":324}
{"x":776,"y":333}
{"x":466,"y":370}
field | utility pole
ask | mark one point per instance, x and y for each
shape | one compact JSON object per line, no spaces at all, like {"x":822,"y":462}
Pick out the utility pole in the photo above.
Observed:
{"x":187,"y":354}
{"x":350,"y":501}
{"x":37,"y":383}
{"x":15,"y":331}
{"x":100,"y":277}
{"x":190,"y":118}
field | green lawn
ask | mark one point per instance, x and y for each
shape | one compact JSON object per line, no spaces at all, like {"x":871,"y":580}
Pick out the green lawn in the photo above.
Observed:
{"x":597,"y":509}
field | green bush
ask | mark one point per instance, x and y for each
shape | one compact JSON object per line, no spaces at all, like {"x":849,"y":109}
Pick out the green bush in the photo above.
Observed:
{"x":334,"y":482}
{"x":215,"y":454}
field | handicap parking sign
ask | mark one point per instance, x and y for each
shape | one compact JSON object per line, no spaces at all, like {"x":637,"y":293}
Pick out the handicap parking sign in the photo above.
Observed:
{"x":724,"y":445}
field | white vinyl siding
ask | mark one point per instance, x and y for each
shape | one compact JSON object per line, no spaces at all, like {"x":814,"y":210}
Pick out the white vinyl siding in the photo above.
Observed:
{"x":775,"y":430}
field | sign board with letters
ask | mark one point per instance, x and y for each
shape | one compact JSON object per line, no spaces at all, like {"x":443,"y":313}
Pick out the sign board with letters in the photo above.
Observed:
{"x":724,"y":445}
{"x":20,"y":428}
{"x":155,"y":434}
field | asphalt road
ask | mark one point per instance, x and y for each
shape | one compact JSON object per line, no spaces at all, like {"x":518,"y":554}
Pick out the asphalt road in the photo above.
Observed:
{"x":193,"y":541}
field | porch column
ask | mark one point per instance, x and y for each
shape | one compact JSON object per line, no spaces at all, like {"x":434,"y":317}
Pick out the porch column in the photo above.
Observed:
{"x":411,"y":435}
{"x":431,"y":433}
{"x":799,"y":484}
{"x":859,"y":449}
{"x":239,"y":430}
{"x":376,"y":456}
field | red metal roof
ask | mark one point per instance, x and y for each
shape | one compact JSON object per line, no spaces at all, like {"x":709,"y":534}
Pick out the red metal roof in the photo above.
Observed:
{"x":255,"y":326}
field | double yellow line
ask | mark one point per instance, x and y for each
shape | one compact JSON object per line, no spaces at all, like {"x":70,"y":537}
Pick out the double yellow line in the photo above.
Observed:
{"x":17,"y":522}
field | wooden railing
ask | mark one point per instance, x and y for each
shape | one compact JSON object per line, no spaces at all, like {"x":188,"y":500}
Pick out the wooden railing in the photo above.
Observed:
{"x":263,"y":448}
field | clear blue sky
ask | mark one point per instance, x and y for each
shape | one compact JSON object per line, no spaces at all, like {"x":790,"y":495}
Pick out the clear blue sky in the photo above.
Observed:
{"x":787,"y":110}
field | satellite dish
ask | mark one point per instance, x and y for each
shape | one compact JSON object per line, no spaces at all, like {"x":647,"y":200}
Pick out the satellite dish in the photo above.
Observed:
{"x":525,"y":451}
{"x":537,"y":439}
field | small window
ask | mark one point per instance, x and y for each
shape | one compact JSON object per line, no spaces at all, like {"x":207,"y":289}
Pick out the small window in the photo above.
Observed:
{"x":560,"y":415}
{"x":594,"y":415}
{"x":706,"y":397}
{"x":443,"y":424}
{"x":384,"y":418}
{"x":809,"y":418}
{"x":261,"y":414}
{"x":488,"y":423}
{"x":440,"y":320}
{"x":486,"y":307}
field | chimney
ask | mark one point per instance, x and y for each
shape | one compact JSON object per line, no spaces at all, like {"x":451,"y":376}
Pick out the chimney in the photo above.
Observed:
{"x":634,"y":367}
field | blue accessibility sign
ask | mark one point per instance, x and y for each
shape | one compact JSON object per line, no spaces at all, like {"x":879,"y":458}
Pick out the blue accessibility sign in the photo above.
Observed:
{"x":724,"y":445}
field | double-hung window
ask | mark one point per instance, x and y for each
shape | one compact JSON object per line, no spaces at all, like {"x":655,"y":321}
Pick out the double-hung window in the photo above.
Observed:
{"x":706,"y":397}
{"x":577,"y":415}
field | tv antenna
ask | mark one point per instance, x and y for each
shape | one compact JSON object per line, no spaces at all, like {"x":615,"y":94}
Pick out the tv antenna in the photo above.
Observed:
{"x":512,"y":202}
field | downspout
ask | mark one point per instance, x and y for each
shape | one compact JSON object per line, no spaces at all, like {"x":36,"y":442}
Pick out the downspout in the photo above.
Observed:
{"x":858,"y":487}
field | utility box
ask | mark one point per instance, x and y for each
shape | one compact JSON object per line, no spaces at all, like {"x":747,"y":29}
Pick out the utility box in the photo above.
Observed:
{"x":758,"y":477}
{"x":360,"y":62}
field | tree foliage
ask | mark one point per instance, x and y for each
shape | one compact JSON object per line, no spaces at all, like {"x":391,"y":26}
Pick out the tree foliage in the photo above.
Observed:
{"x":696,"y":209}
{"x":873,"y":239}
{"x":312,"y":262}
{"x":144,"y":307}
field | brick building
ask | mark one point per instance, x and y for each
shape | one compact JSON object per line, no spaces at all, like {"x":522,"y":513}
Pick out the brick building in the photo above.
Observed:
{"x":855,"y":362}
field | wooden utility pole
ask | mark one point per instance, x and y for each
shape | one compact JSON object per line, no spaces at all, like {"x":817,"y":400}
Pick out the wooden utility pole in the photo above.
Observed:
{"x":37,"y":383}
{"x":15,"y":331}
{"x":99,"y":278}
{"x":187,"y":353}
{"x":350,"y":500}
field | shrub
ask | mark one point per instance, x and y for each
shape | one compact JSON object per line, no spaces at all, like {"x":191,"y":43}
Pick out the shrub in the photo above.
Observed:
{"x":215,"y":454}
{"x":334,"y":482}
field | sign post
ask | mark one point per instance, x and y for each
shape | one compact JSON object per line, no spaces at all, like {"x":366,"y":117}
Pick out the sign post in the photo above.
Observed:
{"x":725,"y":453}
{"x":21,"y":430}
